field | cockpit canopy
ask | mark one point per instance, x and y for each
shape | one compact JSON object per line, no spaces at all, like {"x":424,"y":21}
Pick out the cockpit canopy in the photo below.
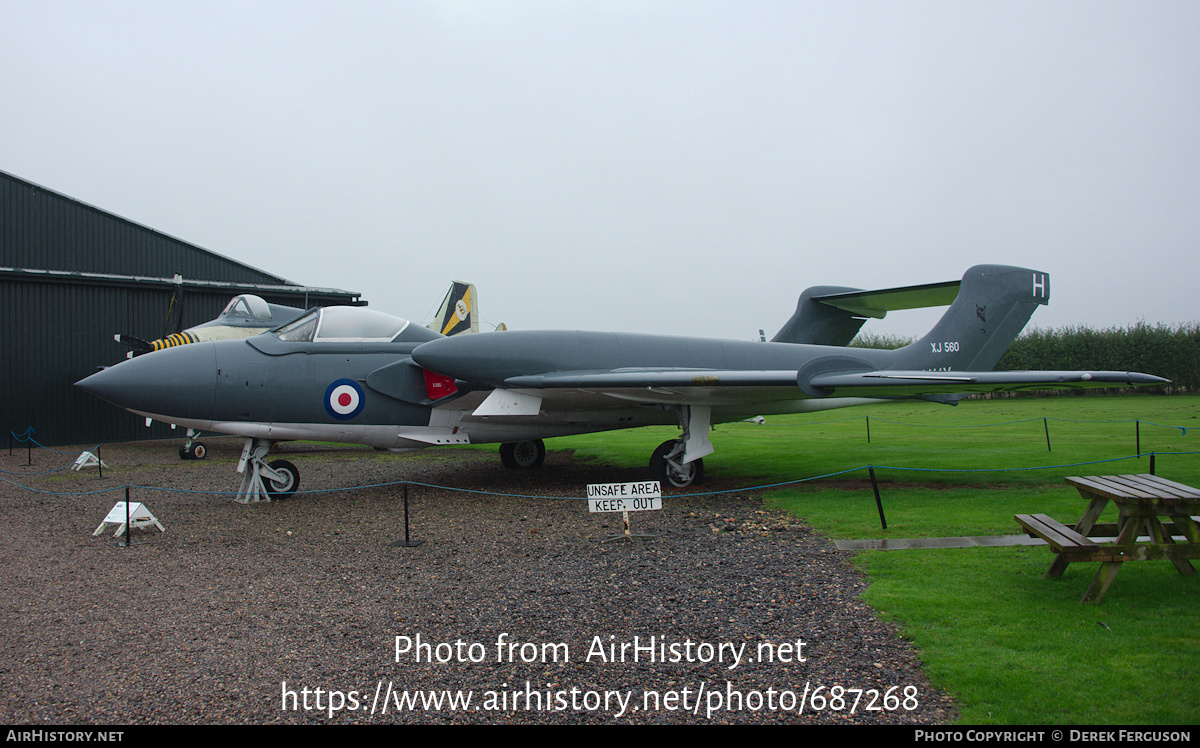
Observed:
{"x":248,"y":305}
{"x":343,"y":324}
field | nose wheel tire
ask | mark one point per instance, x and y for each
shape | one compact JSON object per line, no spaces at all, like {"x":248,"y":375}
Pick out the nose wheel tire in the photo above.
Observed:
{"x":286,"y":484}
{"x":524,"y":455}
{"x":192,"y":451}
{"x":666,"y":468}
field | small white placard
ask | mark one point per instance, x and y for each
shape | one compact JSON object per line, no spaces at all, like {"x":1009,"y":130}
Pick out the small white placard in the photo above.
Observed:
{"x":139,"y":517}
{"x":624,"y":497}
{"x":87,"y":459}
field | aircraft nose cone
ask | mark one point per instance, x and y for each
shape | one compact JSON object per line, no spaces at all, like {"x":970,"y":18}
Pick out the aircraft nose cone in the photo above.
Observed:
{"x":176,"y":382}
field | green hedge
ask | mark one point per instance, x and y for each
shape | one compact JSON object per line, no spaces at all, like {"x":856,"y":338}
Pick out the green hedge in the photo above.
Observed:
{"x":1171,"y":352}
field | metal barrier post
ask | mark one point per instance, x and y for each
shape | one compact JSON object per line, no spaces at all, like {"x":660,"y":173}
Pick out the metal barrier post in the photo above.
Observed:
{"x":878,"y":501}
{"x":407,"y":542}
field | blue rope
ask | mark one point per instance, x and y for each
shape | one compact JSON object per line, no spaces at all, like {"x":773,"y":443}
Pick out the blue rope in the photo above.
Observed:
{"x":1183,"y":429}
{"x":55,"y":451}
{"x":954,"y":426}
{"x":51,"y":470}
{"x":28,"y":436}
{"x":744,"y":489}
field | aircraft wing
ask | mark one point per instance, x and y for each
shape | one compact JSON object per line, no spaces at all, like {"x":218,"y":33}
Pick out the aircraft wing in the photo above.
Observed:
{"x":581,"y":390}
{"x":654,"y":377}
{"x":910,"y":383}
{"x":879,"y":383}
{"x":853,"y":383}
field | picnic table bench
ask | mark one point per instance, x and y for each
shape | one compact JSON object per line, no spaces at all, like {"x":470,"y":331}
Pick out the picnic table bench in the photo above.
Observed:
{"x":1147,"y":505}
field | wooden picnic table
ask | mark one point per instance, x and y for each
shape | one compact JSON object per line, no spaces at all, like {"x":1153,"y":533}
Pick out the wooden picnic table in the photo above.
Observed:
{"x":1143,"y":503}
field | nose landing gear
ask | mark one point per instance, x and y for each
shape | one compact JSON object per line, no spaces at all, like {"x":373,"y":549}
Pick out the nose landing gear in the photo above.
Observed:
{"x":192,"y":449}
{"x":264,"y":482}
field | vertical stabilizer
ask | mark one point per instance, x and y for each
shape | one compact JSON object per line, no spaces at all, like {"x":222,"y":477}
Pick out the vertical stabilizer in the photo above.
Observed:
{"x":457,"y":313}
{"x":993,"y":304}
{"x":818,"y":323}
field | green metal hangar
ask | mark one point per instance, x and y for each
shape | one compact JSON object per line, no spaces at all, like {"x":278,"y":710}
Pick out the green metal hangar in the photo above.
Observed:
{"x":72,"y":276}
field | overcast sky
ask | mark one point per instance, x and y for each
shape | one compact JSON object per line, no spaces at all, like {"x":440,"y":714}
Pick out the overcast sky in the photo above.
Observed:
{"x":685,"y":167}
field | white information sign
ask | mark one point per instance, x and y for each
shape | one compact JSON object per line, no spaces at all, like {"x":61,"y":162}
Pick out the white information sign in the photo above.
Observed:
{"x":624,"y":497}
{"x":139,"y":517}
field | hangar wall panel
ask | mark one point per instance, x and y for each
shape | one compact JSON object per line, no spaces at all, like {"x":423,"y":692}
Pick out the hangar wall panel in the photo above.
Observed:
{"x":55,"y":232}
{"x":57,"y":327}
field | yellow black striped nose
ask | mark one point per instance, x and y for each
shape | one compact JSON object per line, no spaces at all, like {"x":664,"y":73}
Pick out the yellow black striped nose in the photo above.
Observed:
{"x":179,"y":338}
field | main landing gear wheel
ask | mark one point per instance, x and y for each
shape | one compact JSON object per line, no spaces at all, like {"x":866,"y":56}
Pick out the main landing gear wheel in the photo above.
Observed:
{"x":288,"y":482}
{"x":666,"y":468}
{"x":528,"y":454}
{"x":192,"y":451}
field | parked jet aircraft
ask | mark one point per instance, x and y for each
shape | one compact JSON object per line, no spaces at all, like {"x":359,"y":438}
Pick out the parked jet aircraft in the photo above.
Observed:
{"x":244,"y":315}
{"x":248,"y":314}
{"x":350,"y":374}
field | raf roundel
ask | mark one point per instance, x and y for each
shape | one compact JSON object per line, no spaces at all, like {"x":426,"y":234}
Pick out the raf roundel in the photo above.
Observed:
{"x":344,"y":399}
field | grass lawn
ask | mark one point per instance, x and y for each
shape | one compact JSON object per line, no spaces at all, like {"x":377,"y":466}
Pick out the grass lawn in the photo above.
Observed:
{"x":1011,"y":647}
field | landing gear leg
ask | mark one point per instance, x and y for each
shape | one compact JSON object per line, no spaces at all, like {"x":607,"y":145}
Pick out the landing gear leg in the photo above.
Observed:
{"x":263,"y":482}
{"x":679,"y":462}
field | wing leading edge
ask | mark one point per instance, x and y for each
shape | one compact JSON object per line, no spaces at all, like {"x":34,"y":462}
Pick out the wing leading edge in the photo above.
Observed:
{"x":873,"y":384}
{"x":914,"y":383}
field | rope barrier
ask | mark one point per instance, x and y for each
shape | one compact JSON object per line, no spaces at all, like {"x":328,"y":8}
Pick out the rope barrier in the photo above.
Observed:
{"x":51,"y":470}
{"x":27,"y":436}
{"x":743,"y":489}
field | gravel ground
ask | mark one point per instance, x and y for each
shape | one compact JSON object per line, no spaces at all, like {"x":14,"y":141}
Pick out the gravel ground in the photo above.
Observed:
{"x":207,"y":622}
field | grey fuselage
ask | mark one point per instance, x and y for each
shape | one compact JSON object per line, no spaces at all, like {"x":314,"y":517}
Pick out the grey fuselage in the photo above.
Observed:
{"x":270,"y":388}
